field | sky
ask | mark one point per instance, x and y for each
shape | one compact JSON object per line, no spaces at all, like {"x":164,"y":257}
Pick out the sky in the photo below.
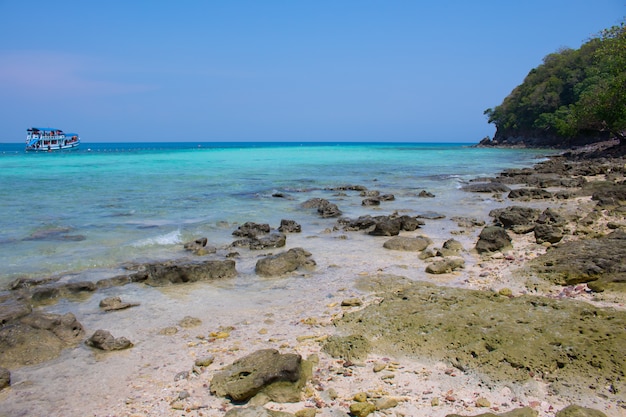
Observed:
{"x":291,"y":70}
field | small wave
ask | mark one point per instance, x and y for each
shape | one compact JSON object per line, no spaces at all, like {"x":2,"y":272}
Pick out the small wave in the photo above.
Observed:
{"x":171,"y":238}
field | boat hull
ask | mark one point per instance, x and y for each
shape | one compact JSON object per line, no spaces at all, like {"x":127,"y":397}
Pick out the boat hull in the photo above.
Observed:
{"x":38,"y":147}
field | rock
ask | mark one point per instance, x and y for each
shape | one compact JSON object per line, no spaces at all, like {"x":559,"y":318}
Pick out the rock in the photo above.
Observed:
{"x":599,"y":262}
{"x":486,"y":187}
{"x":273,"y":240}
{"x":578,"y":411}
{"x":493,"y":239}
{"x":371,"y":201}
{"x":426,"y":194}
{"x":483,"y":402}
{"x":411,"y":244}
{"x":289,"y":226}
{"x":104,"y":340}
{"x":529,"y":194}
{"x":362,"y":409}
{"x":255,"y":411}
{"x":12,"y":309}
{"x":284,"y":262}
{"x":205,"y":361}
{"x":188,"y":322}
{"x":115,"y":303}
{"x":280,"y":376}
{"x":324,"y":207}
{"x":451,"y":247}
{"x":388,"y":226}
{"x":37,"y":338}
{"x":518,"y":412}
{"x":5,"y":378}
{"x":351,"y":302}
{"x":445,"y":266}
{"x":385,"y":403}
{"x":350,"y":348}
{"x":515,"y":215}
{"x":196,"y":244}
{"x":251,"y":229}
{"x":178,"y":272}
{"x":547,"y":233}
{"x":505,"y":339}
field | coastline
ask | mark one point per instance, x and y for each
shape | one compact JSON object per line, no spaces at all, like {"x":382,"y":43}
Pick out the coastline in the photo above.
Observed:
{"x":419,"y":385}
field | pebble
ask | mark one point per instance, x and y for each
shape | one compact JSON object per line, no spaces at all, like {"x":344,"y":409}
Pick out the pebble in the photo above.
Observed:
{"x":360,"y":397}
{"x":351,"y":302}
{"x":362,"y":409}
{"x":205,"y":361}
{"x":483,"y":402}
{"x":379,"y":366}
{"x":306,"y":412}
{"x":385,"y":403}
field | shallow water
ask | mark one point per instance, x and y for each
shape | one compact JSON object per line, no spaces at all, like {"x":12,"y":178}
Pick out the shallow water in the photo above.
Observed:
{"x":83,"y":214}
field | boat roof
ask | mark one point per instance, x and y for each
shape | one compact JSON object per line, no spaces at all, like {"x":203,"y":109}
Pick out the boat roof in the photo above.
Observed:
{"x":45,"y":129}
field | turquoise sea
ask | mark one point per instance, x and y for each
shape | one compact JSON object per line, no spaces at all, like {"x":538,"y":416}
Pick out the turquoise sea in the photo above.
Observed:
{"x":110,"y":203}
{"x":82,"y":215}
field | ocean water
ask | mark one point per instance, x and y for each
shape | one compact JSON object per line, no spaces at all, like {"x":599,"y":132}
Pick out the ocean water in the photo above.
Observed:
{"x":110,"y":203}
{"x":81,"y":215}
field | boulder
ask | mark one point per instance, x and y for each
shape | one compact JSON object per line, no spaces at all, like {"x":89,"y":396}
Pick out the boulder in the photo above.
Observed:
{"x":284,"y":263}
{"x":548,"y":233}
{"x":279,"y":376}
{"x":37,"y":338}
{"x":200,"y":247}
{"x":410,"y":244}
{"x":12,"y":309}
{"x":289,"y":226}
{"x":251,"y":229}
{"x":104,"y":340}
{"x":388,"y":226}
{"x":426,"y":194}
{"x":178,"y":272}
{"x":371,"y":201}
{"x":324,"y":207}
{"x":493,"y":239}
{"x":512,"y":216}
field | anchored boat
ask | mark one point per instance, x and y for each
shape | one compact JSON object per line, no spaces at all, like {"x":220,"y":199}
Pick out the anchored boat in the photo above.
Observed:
{"x":47,"y":139}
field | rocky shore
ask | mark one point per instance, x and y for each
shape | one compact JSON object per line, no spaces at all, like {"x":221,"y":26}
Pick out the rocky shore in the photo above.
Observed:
{"x":537,"y":326}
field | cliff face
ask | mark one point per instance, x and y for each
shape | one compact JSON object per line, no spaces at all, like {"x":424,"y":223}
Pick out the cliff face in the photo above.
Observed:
{"x":542,"y":139}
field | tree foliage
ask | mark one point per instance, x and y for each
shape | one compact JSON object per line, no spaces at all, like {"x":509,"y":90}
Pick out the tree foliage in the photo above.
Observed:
{"x":572,"y":93}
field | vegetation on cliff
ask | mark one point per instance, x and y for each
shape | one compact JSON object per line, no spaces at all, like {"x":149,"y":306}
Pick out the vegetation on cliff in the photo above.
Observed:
{"x":574,"y":94}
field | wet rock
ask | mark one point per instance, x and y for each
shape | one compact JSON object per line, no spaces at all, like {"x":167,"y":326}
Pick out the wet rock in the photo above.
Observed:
{"x":115,"y":303}
{"x":578,"y":411}
{"x":289,"y":226}
{"x":610,"y":195}
{"x":104,"y":340}
{"x":350,"y":348}
{"x":445,"y":266}
{"x":188,"y":322}
{"x":431,"y":215}
{"x":279,"y":376}
{"x":37,"y":337}
{"x":251,"y":229}
{"x":5,"y":378}
{"x":12,"y":309}
{"x":273,"y":240}
{"x":486,"y":187}
{"x":284,"y":263}
{"x":493,"y":239}
{"x":426,"y":194}
{"x":179,"y":272}
{"x":411,"y":244}
{"x":324,"y":207}
{"x":451,"y":247}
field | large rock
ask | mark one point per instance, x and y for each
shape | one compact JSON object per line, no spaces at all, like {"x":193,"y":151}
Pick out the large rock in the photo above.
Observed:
{"x":284,"y":263}
{"x":404,"y":243}
{"x":529,"y":194}
{"x":251,"y":229}
{"x":512,"y":216}
{"x":178,"y":272}
{"x":12,"y":309}
{"x":598,"y":262}
{"x":324,"y":207}
{"x":289,"y":226}
{"x":548,"y":233}
{"x":37,"y":338}
{"x":280,"y":376}
{"x":493,"y":239}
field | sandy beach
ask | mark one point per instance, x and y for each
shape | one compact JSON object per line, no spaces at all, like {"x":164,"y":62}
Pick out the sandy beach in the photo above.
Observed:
{"x":170,"y":371}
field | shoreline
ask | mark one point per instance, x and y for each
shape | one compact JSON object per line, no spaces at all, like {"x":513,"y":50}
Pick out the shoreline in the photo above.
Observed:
{"x":416,"y":385}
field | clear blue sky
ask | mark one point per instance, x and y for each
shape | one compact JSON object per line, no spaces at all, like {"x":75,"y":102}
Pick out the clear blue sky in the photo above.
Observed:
{"x":292,"y":70}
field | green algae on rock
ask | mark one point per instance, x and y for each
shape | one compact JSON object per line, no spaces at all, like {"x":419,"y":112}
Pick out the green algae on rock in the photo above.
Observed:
{"x":570,"y":345}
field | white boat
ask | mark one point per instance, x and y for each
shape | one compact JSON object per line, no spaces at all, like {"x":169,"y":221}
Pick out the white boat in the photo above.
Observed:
{"x":47,"y":139}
